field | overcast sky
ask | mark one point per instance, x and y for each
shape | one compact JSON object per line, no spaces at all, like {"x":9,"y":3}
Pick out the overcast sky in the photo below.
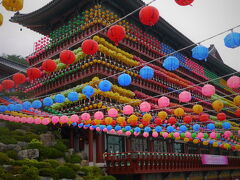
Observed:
{"x":200,"y":21}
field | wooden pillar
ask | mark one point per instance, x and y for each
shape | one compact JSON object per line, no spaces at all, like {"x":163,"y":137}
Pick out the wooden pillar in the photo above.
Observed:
{"x":99,"y":148}
{"x":90,"y":146}
{"x":72,"y":138}
{"x":151,"y":145}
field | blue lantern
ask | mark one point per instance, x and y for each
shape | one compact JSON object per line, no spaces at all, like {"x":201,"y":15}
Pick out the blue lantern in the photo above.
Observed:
{"x":200,"y":52}
{"x":124,"y":79}
{"x":183,"y":128}
{"x":147,"y":129}
{"x":59,"y":98}
{"x":18,"y":107}
{"x":211,"y":142}
{"x":170,"y":129}
{"x":10,"y":107}
{"x":102,"y":127}
{"x":232,"y":40}
{"x":36,"y":104}
{"x":117,"y":128}
{"x":158,"y":129}
{"x":109,"y":127}
{"x":80,"y":125}
{"x":88,"y":91}
{"x":47,"y":101}
{"x":74,"y":124}
{"x":105,"y":85}
{"x":3,"y":108}
{"x":94,"y":127}
{"x":137,"y":129}
{"x":196,"y":127}
{"x":73,"y":96}
{"x":128,"y":128}
{"x":171,"y":63}
{"x":146,"y":72}
{"x":27,"y":105}
{"x":211,"y":126}
{"x":226,"y":125}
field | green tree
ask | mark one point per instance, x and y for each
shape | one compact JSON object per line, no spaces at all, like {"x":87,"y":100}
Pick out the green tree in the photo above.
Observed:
{"x":15,"y":58}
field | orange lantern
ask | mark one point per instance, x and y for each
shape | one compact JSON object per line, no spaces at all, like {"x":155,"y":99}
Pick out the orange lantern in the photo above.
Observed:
{"x":179,"y":112}
{"x":197,"y":109}
{"x":217,"y":105}
{"x":13,"y":5}
{"x":236,"y":100}
{"x":162,"y":115}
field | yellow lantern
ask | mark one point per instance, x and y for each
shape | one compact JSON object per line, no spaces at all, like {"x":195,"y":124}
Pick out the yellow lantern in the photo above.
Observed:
{"x":162,"y":115}
{"x":179,"y":112}
{"x":147,"y":117}
{"x":226,"y":146}
{"x":197,"y":109}
{"x":177,"y":138}
{"x":186,"y":139}
{"x":1,"y":19}
{"x":236,"y":100}
{"x":132,"y":119}
{"x":205,"y":143}
{"x":217,"y":105}
{"x":195,"y":141}
{"x":215,"y":144}
{"x":120,"y":120}
{"x":108,"y":120}
{"x":13,"y":5}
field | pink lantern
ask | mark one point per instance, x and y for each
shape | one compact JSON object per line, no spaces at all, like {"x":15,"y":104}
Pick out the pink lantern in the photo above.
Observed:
{"x":74,"y":118}
{"x":188,"y":134}
{"x":154,"y":134}
{"x":85,"y":116}
{"x":208,"y":90}
{"x":185,"y":96}
{"x":239,"y":132}
{"x":38,"y":121}
{"x":45,"y":121}
{"x":145,"y":107}
{"x":145,"y":134}
{"x":91,"y":128}
{"x":213,"y":135}
{"x":227,"y":134}
{"x":85,"y":127}
{"x":200,"y":135}
{"x":176,"y":134}
{"x":119,"y":132}
{"x":17,"y":119}
{"x":55,"y":119}
{"x":163,"y":102}
{"x":63,"y":119}
{"x":98,"y":115}
{"x":98,"y":129}
{"x":24,"y":119}
{"x":233,"y":82}
{"x":112,"y":131}
{"x":136,"y":134}
{"x":112,"y":112}
{"x":30,"y":120}
{"x":165,"y":135}
{"x":127,"y":110}
{"x":127,"y":133}
{"x":105,"y":130}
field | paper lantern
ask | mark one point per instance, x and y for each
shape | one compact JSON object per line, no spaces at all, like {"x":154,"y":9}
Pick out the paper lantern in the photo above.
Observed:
{"x":67,"y":57}
{"x":124,"y":79}
{"x":196,"y":127}
{"x":145,"y":107}
{"x":170,"y":129}
{"x":213,"y":135}
{"x":196,"y":141}
{"x":85,"y":116}
{"x":8,"y":84}
{"x":55,"y":119}
{"x":89,"y":47}
{"x":112,"y":112}
{"x":18,"y":107}
{"x":116,"y":33}
{"x":1,"y":87}
{"x":236,"y":100}
{"x":88,"y":91}
{"x":239,"y":132}
{"x":237,"y":112}
{"x":226,"y":125}
{"x":155,"y":134}
{"x":10,"y":107}
{"x":183,"y":128}
{"x":205,"y":143}
{"x":63,"y":119}
{"x":204,"y":117}
{"x":37,"y":104}
{"x":179,"y":112}
{"x":27,"y":105}
{"x":232,"y":40}
{"x":184,"y":2}
{"x":19,"y":78}
{"x":162,"y":115}
{"x":49,"y":65}
{"x":59,"y":98}
{"x":208,"y":90}
{"x":163,"y":102}
{"x":13,"y":5}
{"x":127,"y":110}
{"x":146,"y":72}
{"x":188,"y":134}
{"x":211,"y":126}
{"x":158,"y":121}
{"x":172,"y":120}
{"x":221,"y":116}
{"x":73,"y":96}
{"x":187,"y":119}
{"x":149,"y":15}
{"x":200,"y":52}
{"x":217,"y":105}
{"x":1,"y":19}
{"x":34,"y":73}
{"x":185,"y":96}
{"x":47,"y":101}
{"x":98,"y":115}
{"x":165,"y":135}
{"x":171,"y":63}
{"x":227,"y":134}
{"x":105,"y":85}
{"x":233,"y":82}
{"x":176,"y":134}
{"x":158,"y":129}
{"x":197,"y":109}
{"x":147,"y":117}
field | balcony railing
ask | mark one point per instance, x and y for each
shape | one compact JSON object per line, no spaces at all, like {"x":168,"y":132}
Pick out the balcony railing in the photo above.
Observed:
{"x":154,"y":162}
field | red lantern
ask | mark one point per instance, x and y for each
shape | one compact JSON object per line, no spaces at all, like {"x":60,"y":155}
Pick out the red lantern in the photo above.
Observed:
{"x":172,"y":120}
{"x":221,"y":116}
{"x":237,"y":113}
{"x":204,"y":117}
{"x":187,"y":119}
{"x":67,"y":57}
{"x":1,"y":87}
{"x":158,"y":121}
{"x":49,"y":65}
{"x":8,"y":84}
{"x":149,"y":15}
{"x":184,"y":2}
{"x":19,"y":78}
{"x":89,"y":47}
{"x":34,"y":73}
{"x":116,"y":33}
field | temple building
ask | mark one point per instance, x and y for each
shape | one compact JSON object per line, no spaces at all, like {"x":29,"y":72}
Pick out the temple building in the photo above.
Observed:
{"x":65,"y":24}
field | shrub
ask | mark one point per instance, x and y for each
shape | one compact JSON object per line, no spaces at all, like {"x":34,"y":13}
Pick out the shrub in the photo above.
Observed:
{"x":7,"y":139}
{"x":53,"y":163}
{"x":60,"y":146}
{"x":39,"y":129}
{"x":74,"y":159}
{"x":30,"y":173}
{"x":74,"y":167}
{"x":48,"y":172}
{"x":28,"y":137}
{"x":91,"y":171}
{"x":12,"y":154}
{"x":107,"y":178}
{"x":3,"y":158}
{"x":65,"y":172}
{"x":12,"y":126}
{"x":5,"y":175}
{"x":32,"y":163}
{"x":51,"y":153}
{"x":4,"y":131}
